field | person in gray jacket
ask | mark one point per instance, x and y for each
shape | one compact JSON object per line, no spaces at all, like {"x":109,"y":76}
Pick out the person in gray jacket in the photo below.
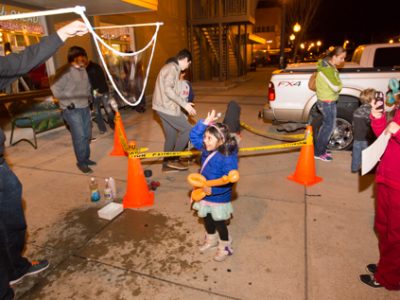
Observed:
{"x":167,"y":102}
{"x":72,"y":88}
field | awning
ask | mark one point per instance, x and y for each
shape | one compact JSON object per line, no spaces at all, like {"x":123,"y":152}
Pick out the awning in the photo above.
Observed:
{"x":257,"y":39}
{"x":149,"y":4}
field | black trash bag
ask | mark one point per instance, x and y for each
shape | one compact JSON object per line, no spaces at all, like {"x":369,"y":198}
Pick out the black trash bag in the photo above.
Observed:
{"x":232,"y":117}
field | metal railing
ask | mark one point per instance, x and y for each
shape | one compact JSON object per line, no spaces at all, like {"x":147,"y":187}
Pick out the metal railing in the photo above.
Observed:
{"x":207,"y":9}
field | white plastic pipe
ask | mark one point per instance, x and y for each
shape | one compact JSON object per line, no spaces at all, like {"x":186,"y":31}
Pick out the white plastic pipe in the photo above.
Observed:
{"x":77,"y":9}
{"x":129,"y":25}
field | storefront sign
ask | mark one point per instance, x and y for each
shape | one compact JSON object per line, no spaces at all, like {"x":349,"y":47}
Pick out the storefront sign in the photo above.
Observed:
{"x":29,"y":24}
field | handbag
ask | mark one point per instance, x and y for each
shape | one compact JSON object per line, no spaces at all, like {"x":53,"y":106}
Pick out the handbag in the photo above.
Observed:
{"x":312,"y":82}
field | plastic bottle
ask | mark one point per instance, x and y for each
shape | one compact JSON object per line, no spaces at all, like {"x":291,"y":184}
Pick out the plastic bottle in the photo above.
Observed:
{"x":113,"y":187}
{"x":107,"y":190}
{"x":94,"y":190}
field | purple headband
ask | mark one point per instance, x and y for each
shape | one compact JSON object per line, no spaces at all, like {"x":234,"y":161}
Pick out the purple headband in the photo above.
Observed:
{"x":219,"y":131}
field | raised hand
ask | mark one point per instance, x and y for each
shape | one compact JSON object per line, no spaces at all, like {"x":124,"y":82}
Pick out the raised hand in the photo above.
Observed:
{"x":190,"y":109}
{"x":72,"y":29}
{"x":211,"y":117}
{"x":377,"y":109}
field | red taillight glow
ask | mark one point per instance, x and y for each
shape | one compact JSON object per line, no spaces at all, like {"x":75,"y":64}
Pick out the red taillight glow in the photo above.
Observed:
{"x":271,"y":91}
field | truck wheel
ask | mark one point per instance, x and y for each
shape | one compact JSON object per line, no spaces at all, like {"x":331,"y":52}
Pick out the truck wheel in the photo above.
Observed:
{"x":342,"y":136}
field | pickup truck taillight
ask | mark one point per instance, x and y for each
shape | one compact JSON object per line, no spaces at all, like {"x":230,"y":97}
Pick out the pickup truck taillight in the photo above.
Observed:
{"x":271,"y":91}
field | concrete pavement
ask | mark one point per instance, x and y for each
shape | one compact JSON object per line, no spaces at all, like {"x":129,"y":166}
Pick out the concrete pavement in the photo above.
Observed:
{"x":290,"y":242}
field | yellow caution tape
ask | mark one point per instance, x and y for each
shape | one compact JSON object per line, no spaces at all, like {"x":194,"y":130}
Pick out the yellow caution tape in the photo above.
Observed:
{"x":141,"y":152}
{"x":280,"y":146}
{"x":163,"y":154}
{"x":195,"y":152}
{"x":275,"y":136}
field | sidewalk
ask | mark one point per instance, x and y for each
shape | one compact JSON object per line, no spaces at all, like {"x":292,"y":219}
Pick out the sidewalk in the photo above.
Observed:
{"x":290,"y":242}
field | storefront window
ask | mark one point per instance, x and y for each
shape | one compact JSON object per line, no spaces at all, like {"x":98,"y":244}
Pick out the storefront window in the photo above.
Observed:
{"x":15,"y":36}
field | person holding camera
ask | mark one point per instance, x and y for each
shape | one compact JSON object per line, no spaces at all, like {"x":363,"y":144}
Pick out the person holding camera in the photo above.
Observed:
{"x":72,"y":87}
{"x":386,"y":273}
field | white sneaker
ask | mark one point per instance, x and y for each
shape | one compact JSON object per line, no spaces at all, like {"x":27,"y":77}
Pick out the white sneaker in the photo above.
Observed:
{"x":224,"y":250}
{"x":211,"y":241}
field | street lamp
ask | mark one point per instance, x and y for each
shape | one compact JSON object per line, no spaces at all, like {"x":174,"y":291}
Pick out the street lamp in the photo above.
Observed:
{"x":319,"y":43}
{"x":292,"y":37}
{"x":296,"y":27}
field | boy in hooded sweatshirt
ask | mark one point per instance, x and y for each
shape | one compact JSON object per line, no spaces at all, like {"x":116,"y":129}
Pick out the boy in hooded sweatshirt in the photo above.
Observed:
{"x":361,"y":128}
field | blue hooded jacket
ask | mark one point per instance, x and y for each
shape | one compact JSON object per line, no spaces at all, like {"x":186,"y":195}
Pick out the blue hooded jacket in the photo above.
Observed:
{"x":218,"y":166}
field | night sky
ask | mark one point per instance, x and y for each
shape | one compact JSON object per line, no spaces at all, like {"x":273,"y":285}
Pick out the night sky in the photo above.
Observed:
{"x":356,"y":20}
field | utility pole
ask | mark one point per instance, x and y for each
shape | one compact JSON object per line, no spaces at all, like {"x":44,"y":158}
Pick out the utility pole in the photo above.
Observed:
{"x":283,"y":39}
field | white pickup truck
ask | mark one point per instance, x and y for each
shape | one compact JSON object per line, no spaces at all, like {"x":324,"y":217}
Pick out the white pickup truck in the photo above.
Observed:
{"x":291,"y":101}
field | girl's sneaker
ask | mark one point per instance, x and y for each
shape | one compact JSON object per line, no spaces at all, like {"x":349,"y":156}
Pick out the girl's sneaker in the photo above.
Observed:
{"x":224,"y":250}
{"x":211,"y":241}
{"x":324,"y":157}
{"x":370,"y":280}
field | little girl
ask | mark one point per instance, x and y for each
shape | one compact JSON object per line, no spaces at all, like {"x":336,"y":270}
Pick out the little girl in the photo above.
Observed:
{"x":387,"y":217}
{"x":219,"y":156}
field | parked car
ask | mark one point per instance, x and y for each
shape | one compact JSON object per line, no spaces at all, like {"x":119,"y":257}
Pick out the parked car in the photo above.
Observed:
{"x":290,"y":99}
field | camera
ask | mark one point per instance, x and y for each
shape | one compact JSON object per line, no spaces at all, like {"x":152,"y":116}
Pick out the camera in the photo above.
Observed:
{"x":71,"y":106}
{"x":379,"y":98}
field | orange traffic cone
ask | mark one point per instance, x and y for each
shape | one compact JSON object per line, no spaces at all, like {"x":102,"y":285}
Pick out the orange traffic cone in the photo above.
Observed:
{"x":305,"y":169}
{"x":137,"y":193}
{"x":119,"y":133}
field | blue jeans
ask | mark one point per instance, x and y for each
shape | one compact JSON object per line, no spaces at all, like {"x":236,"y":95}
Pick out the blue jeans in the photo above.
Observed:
{"x":358,"y":147}
{"x":78,"y":120}
{"x":328,"y":110}
{"x":12,"y":229}
{"x":97,"y":103}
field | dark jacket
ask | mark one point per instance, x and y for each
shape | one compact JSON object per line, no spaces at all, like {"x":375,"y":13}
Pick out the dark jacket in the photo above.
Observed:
{"x":17,"y":64}
{"x":97,"y":78}
{"x":362,"y":123}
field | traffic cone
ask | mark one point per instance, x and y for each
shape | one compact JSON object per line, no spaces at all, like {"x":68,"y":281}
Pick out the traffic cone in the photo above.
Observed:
{"x":137,"y":192}
{"x":305,"y":169}
{"x":119,"y":133}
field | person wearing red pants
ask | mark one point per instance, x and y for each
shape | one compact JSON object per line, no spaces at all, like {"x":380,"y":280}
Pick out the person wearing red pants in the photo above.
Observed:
{"x":387,"y":218}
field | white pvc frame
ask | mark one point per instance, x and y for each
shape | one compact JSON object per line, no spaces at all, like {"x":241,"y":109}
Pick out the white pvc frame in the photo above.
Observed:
{"x":80,"y":10}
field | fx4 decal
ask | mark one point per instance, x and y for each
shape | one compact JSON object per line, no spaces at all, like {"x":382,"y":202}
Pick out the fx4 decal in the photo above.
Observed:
{"x":289,"y":83}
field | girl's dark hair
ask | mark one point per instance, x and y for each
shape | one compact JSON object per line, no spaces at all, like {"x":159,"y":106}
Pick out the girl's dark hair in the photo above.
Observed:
{"x":229,"y":145}
{"x":334,"y":50}
{"x":74,"y":52}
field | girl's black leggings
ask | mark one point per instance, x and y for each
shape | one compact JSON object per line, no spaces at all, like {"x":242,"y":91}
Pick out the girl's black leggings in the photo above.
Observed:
{"x":219,"y":226}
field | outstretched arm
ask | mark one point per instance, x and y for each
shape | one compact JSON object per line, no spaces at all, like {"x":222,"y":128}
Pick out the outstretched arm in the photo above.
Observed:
{"x":17,"y":64}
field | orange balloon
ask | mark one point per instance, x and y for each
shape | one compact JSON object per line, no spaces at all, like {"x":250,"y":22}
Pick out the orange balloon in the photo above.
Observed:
{"x":197,"y":180}
{"x":198,"y":194}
